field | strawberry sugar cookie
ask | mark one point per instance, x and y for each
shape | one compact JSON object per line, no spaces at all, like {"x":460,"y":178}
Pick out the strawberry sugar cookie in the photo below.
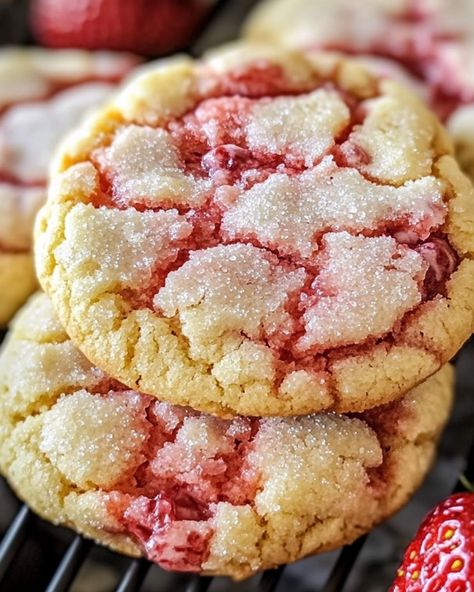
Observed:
{"x":261,"y":233}
{"x":190,"y":491}
{"x":430,"y":45}
{"x":43,"y":94}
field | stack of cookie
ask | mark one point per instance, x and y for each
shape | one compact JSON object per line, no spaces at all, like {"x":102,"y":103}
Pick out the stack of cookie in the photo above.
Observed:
{"x":256,"y":267}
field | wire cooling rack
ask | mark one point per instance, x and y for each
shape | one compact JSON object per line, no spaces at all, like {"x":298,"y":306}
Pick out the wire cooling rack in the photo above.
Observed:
{"x":38,"y":557}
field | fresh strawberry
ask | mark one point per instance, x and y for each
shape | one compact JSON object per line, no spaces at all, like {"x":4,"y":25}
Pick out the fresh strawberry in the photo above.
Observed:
{"x":441,"y":556}
{"x":150,"y":27}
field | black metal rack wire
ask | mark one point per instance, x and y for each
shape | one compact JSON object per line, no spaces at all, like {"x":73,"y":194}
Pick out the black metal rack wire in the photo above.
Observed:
{"x":137,"y":569}
{"x":223,"y":24}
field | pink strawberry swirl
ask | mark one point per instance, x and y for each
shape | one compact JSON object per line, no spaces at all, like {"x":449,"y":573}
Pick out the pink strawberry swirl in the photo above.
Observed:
{"x":187,"y":465}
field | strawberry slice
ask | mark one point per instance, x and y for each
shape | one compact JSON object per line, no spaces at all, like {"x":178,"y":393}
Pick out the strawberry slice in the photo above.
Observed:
{"x":149,"y":27}
{"x":441,"y":556}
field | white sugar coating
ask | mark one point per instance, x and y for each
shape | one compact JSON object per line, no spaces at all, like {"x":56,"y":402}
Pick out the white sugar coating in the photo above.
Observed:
{"x":309,"y":458}
{"x":286,"y":212}
{"x":41,"y":371}
{"x":30,"y":132}
{"x":204,"y":435}
{"x":145,"y":166}
{"x":237,"y":533}
{"x":169,"y":416}
{"x":18,"y":208}
{"x":89,"y":509}
{"x":303,"y":126}
{"x":305,"y":383}
{"x":253,"y":267}
{"x":49,"y":330}
{"x":398,"y":135}
{"x":198,"y":440}
{"x":216,"y":119}
{"x":96,"y":440}
{"x":365,"y":285}
{"x":118,"y":248}
{"x":229,"y":291}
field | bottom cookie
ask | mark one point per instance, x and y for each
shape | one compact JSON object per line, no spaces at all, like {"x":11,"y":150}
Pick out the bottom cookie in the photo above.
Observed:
{"x":189,"y":491}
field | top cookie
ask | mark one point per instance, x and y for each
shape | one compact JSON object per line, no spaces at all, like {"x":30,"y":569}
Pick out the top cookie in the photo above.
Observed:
{"x":43,"y":94}
{"x":432,"y":41}
{"x":261,"y":233}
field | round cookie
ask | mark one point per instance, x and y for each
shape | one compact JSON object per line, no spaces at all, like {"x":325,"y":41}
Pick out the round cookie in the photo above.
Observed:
{"x":43,"y":94}
{"x":261,"y":233}
{"x":431,"y":42}
{"x":190,"y":491}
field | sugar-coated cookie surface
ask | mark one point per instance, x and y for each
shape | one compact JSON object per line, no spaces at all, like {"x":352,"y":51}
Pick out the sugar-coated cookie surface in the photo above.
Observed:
{"x":43,"y":94}
{"x":261,"y":233}
{"x":190,"y":491}
{"x":431,"y":43}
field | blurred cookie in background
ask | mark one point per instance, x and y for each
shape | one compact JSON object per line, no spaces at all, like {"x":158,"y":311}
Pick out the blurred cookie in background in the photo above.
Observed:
{"x":43,"y":93}
{"x":432,"y":44}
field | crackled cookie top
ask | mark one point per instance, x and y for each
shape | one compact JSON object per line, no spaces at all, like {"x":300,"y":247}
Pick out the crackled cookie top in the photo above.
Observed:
{"x":236,"y":234}
{"x":432,"y":43}
{"x":190,"y":491}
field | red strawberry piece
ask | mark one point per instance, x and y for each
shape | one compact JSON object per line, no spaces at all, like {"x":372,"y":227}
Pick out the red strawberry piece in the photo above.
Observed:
{"x":172,"y":542}
{"x":145,"y":515}
{"x":441,"y":556}
{"x":442,"y":261}
{"x":150,"y":27}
